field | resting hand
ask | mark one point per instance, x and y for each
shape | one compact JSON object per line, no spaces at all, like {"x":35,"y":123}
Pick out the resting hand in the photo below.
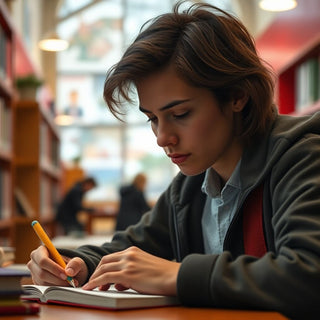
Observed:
{"x":46,"y":272}
{"x":135,"y":269}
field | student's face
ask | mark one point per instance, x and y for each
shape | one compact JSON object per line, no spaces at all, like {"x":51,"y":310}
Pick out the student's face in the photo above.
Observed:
{"x":189,"y":124}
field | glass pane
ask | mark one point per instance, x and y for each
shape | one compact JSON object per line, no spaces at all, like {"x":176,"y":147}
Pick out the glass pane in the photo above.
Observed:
{"x":138,"y":12}
{"x":144,"y":155}
{"x":81,"y":96}
{"x":102,"y":158}
{"x":68,"y":6}
{"x":95,"y":38}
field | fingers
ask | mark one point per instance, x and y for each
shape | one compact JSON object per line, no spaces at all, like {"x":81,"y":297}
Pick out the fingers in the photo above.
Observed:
{"x":135,"y":269}
{"x":120,"y":287}
{"x":45,"y":271}
{"x":121,"y":268}
{"x":100,"y":277}
{"x":109,"y":268}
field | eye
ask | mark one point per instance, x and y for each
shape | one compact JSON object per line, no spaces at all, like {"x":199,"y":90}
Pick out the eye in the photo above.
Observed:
{"x":182,"y":115}
{"x":152,"y":119}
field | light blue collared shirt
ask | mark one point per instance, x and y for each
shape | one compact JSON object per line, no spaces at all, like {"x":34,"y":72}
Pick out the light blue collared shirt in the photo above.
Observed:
{"x":219,"y":209}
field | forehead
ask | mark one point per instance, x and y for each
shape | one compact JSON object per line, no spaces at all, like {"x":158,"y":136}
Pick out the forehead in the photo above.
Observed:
{"x":161,"y":88}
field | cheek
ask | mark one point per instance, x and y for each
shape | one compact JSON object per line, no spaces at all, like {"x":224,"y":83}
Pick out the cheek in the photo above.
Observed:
{"x":215,"y":129}
{"x":205,"y":127}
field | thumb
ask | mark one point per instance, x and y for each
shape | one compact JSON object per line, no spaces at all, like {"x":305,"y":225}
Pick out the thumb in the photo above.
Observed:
{"x":74,"y":266}
{"x":77,"y":269}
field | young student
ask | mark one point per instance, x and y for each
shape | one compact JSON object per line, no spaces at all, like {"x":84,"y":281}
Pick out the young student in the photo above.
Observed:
{"x":239,"y":226}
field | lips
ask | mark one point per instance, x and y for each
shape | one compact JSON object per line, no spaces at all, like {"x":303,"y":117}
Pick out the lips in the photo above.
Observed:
{"x":178,"y":158}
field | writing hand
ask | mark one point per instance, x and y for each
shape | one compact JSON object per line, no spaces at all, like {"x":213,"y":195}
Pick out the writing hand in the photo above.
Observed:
{"x":45,"y":271}
{"x":135,"y":269}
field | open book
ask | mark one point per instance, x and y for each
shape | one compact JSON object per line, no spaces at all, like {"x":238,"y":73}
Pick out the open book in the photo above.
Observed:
{"x":111,"y":299}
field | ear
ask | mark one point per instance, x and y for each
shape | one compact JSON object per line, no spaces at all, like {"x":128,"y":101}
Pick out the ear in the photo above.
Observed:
{"x":239,"y":101}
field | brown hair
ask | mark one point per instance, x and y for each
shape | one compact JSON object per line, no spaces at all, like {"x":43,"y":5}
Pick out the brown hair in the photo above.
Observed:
{"x":208,"y":48}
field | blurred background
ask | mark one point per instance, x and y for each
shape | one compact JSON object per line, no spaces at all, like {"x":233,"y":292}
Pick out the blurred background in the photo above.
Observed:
{"x":97,"y":33}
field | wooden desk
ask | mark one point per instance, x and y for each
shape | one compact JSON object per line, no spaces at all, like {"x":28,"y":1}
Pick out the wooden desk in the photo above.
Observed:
{"x":54,"y":312}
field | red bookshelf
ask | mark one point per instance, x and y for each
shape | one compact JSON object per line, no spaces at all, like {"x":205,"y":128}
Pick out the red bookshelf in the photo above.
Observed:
{"x":289,"y":43}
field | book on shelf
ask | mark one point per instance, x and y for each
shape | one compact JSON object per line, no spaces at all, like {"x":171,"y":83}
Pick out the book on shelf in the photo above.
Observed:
{"x":5,"y":185}
{"x":7,"y":255}
{"x":45,"y":144}
{"x":3,"y":50}
{"x":24,"y":207}
{"x":2,"y":197}
{"x":110,"y":299}
{"x":45,"y":196}
{"x":307,"y":79}
{"x":5,"y":126}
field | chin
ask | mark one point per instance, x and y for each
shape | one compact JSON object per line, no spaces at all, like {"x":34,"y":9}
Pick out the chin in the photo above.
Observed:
{"x":192,"y":172}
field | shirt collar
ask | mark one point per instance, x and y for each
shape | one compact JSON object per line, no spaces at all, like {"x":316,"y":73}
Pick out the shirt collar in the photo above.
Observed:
{"x":211,"y":185}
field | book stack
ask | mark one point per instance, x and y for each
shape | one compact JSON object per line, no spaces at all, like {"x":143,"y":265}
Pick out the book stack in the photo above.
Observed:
{"x":11,"y":291}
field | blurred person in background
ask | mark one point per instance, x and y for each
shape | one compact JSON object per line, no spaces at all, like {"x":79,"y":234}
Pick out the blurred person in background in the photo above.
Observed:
{"x":133,"y":203}
{"x":72,"y":204}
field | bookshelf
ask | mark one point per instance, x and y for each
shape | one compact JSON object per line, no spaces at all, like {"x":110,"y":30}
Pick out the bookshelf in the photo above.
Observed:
{"x":299,"y":82}
{"x":36,"y":171}
{"x":6,"y":119}
{"x":291,"y":45}
{"x":30,"y":172}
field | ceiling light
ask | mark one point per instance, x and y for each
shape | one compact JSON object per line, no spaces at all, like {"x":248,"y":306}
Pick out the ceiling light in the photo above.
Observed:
{"x":277,"y":5}
{"x":53,"y":43}
{"x":63,"y":120}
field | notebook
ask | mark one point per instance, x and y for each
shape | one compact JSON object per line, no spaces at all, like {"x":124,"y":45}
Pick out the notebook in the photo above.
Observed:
{"x":110,"y":299}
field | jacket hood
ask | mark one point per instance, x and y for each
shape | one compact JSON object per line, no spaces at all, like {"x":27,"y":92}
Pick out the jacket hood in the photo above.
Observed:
{"x":259,"y":159}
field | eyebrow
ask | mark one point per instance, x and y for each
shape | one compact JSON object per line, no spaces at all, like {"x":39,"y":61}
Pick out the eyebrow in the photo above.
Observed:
{"x":165,"y":107}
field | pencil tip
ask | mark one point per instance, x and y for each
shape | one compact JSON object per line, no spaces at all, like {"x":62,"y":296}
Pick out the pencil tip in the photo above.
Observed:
{"x":71,"y":281}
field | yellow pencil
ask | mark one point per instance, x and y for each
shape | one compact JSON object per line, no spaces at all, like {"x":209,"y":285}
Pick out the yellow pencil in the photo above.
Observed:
{"x":51,"y":248}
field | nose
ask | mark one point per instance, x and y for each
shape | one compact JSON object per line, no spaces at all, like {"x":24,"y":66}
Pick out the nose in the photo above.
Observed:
{"x":165,"y":135}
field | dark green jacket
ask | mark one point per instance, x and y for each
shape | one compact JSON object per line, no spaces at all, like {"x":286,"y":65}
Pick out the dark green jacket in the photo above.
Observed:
{"x":287,"y":277}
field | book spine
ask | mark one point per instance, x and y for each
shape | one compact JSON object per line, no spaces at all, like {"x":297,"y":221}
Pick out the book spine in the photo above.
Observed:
{"x":3,"y":53}
{"x":1,"y":194}
{"x":307,"y":83}
{"x":23,"y":308}
{"x":5,"y":185}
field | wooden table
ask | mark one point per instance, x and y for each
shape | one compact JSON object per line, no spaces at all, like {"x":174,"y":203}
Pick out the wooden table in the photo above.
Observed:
{"x":54,"y":312}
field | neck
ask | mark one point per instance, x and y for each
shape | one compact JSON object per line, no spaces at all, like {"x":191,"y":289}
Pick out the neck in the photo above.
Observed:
{"x":226,"y":165}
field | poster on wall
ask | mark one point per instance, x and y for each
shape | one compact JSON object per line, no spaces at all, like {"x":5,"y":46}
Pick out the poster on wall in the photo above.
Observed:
{"x":81,"y":98}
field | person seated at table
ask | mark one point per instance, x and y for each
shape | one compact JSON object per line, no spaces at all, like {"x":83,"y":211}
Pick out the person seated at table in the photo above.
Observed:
{"x":133,"y":203}
{"x":239,"y":226}
{"x":72,"y":204}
